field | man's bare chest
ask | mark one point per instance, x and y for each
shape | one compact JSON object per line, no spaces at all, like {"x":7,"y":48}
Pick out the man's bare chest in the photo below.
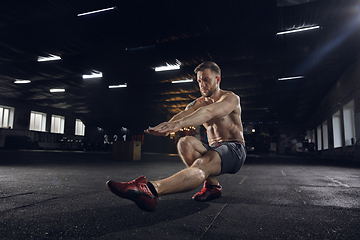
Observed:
{"x":218,"y":123}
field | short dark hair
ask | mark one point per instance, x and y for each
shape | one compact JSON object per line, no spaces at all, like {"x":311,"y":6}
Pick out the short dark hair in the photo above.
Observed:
{"x":209,"y":64}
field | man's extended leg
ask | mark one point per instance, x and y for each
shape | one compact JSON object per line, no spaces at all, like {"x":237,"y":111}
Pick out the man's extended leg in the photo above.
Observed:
{"x":190,"y":149}
{"x":191,"y":177}
{"x":145,"y":194}
{"x":202,"y":166}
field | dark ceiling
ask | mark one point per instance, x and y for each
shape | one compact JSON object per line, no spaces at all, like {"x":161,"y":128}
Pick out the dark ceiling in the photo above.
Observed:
{"x":127,"y":43}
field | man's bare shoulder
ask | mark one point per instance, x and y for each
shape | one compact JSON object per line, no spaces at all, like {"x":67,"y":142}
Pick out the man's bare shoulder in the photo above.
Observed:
{"x":225,"y":94}
{"x":196,"y":103}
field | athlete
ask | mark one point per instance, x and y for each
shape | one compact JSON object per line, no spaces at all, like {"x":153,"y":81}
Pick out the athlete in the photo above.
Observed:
{"x":219,"y":112}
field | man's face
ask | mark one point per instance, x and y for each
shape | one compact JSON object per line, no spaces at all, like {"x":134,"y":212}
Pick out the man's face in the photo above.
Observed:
{"x":207,"y":81}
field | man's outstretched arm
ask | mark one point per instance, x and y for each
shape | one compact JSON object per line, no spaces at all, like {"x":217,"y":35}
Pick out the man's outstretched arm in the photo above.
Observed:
{"x":221,"y":108}
{"x":188,"y":110}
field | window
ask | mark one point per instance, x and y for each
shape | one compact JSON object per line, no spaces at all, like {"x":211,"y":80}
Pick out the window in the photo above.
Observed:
{"x":319,"y":138}
{"x":79,"y":128}
{"x":325,"y":135}
{"x":57,"y":124}
{"x":349,"y":123}
{"x":37,"y":121}
{"x":336,"y":121}
{"x":6,"y":117}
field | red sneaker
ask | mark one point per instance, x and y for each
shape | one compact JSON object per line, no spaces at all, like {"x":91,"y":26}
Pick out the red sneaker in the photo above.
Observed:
{"x":136,"y":191}
{"x":209,"y":192}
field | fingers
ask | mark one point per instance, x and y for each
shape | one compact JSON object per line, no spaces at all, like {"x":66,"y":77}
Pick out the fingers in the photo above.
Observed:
{"x":156,"y":133}
{"x":162,"y":128}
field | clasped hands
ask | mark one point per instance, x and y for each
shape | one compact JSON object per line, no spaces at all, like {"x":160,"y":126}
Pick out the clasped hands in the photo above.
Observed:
{"x":164,"y":129}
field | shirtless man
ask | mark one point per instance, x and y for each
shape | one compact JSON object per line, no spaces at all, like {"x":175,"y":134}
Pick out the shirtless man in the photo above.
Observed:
{"x":220,"y":113}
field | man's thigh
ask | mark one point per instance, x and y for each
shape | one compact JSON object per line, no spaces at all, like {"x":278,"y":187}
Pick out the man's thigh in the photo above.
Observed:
{"x":195,"y":146}
{"x":232,"y":156}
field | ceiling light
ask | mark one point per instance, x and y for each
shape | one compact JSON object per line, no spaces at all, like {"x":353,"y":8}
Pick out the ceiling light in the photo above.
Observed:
{"x":182,"y":81}
{"x":290,"y":78}
{"x":298,"y":30}
{"x":94,"y":74}
{"x":169,"y":67}
{"x":118,"y":86}
{"x":57,"y":90}
{"x":19,"y":81}
{"x":49,"y":58}
{"x":96,"y":11}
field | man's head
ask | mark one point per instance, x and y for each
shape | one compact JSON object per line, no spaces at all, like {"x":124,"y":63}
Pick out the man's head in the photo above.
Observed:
{"x":208,"y":77}
{"x":211,"y":65}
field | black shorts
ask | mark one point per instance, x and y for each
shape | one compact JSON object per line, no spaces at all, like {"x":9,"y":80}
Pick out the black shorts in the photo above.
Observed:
{"x":232,"y":155}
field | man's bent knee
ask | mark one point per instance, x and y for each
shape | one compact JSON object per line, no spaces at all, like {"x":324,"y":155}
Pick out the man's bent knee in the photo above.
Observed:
{"x":185,"y":142}
{"x":187,"y":149}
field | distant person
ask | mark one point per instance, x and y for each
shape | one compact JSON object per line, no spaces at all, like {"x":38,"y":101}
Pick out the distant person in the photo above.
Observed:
{"x":220,"y":113}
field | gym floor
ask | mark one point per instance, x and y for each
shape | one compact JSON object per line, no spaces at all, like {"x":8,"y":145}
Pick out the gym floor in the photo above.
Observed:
{"x":62,"y":195}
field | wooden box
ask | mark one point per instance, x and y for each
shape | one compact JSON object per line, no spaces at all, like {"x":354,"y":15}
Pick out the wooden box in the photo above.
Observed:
{"x":129,"y":150}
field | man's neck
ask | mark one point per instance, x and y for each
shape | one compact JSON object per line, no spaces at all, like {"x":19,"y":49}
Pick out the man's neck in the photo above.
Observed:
{"x":214,"y":97}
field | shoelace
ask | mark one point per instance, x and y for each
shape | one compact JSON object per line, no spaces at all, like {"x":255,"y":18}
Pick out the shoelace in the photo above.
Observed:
{"x":134,"y":181}
{"x":203,"y":190}
{"x":207,"y":188}
{"x":143,"y":188}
